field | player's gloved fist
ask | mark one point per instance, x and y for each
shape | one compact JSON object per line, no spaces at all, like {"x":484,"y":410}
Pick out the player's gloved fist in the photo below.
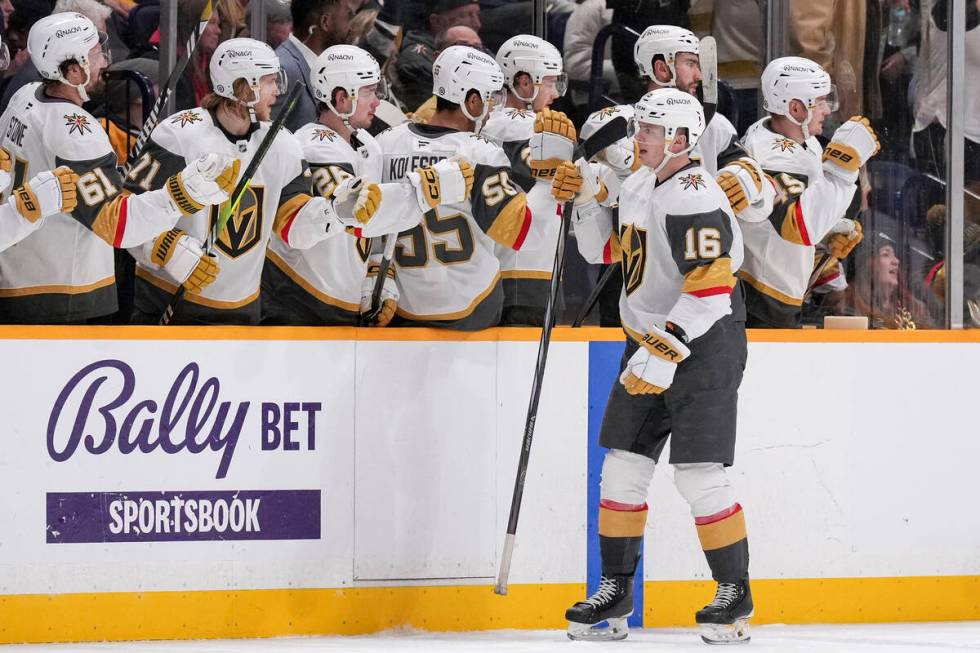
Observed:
{"x":553,"y":142}
{"x":847,"y":235}
{"x":853,"y":144}
{"x":5,"y":166}
{"x":389,"y":294}
{"x":206,"y":181}
{"x":447,"y":182}
{"x":741,"y":180}
{"x":184,"y":259}
{"x":592,"y":185}
{"x":46,"y":193}
{"x":567,"y":182}
{"x":651,"y":369}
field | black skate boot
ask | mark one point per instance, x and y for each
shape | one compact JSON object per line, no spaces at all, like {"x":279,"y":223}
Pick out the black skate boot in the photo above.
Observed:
{"x":726,"y":619}
{"x":612,"y":603}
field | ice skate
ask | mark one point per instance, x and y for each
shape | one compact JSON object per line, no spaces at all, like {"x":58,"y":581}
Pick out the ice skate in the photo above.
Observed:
{"x":612,"y":603}
{"x":726,"y":619}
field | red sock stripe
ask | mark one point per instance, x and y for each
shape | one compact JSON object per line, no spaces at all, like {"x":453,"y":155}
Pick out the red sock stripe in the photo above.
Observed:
{"x":519,"y":242}
{"x":121,"y":223}
{"x":609,"y":504}
{"x":801,"y":224}
{"x":718,"y":516}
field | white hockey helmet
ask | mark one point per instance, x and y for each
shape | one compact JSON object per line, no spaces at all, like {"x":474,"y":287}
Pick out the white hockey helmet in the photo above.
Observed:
{"x":460,"y":69}
{"x":535,"y":57}
{"x":795,"y":78}
{"x":665,"y":40}
{"x":622,"y":155}
{"x":673,"y":110}
{"x":61,"y":37}
{"x":245,"y":59}
{"x":347,"y":67}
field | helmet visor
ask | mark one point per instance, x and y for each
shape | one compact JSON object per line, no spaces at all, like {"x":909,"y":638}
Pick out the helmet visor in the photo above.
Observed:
{"x":282,"y":82}
{"x":495,"y":99}
{"x":832,"y":100}
{"x":104,"y":45}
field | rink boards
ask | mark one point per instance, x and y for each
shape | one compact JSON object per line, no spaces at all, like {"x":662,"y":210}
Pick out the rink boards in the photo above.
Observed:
{"x":225,"y":482}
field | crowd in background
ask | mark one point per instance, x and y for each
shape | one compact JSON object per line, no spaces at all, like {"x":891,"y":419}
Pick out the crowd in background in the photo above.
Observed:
{"x":887,"y":58}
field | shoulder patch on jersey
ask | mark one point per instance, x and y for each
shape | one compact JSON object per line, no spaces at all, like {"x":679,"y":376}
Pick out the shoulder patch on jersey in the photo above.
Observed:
{"x":77,"y":124}
{"x":783,"y":144}
{"x":694,"y":180}
{"x":185,"y":118}
{"x":321,"y":134}
{"x":520,"y":114}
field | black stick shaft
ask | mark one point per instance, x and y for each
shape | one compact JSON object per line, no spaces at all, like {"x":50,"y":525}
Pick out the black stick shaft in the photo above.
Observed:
{"x":607,"y":274}
{"x":532,"y":410}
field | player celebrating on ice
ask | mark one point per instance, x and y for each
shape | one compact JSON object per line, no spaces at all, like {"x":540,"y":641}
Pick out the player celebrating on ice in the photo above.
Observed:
{"x":669,"y":57}
{"x":64,"y":271}
{"x":681,"y":247}
{"x":536,"y":139}
{"x":447,"y":272}
{"x":246,"y":80}
{"x":816,"y":187}
{"x":332,"y":283}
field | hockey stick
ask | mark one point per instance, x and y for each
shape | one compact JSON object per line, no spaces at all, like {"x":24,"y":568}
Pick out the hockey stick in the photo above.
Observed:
{"x":230,"y":206}
{"x":532,"y":409}
{"x":151,"y":121}
{"x":607,"y":274}
{"x":708,"y":59}
{"x":389,"y":251}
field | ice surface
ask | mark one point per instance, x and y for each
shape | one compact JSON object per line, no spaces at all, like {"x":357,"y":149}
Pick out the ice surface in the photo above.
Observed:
{"x":904,"y":638}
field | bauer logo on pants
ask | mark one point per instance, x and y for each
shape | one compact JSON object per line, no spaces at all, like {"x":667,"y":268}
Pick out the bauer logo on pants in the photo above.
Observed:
{"x":91,"y":517}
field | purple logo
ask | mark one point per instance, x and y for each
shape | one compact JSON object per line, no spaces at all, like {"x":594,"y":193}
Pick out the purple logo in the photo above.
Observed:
{"x":191,"y":417}
{"x":94,"y":517}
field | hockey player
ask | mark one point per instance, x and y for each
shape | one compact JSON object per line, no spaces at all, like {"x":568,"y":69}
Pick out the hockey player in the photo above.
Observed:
{"x":535,"y":140}
{"x":668,"y":57}
{"x":680,"y":249}
{"x":332,"y":282}
{"x":448,"y":274}
{"x":816,"y":186}
{"x":246,"y":79}
{"x":64,"y":271}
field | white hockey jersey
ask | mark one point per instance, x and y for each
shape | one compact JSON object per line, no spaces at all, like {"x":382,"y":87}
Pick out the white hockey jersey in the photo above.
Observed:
{"x":279,"y":188}
{"x":64,"y":270}
{"x":331,"y":272}
{"x":446,"y":265}
{"x":530,"y":267}
{"x":681,"y":247}
{"x":779,"y":252}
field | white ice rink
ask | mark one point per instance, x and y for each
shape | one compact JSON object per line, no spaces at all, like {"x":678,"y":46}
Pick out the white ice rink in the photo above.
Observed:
{"x":877,"y":638}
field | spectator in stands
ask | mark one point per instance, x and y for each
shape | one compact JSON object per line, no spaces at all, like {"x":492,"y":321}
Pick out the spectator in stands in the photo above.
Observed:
{"x":929,"y":132}
{"x":278,"y":21}
{"x":317,"y":25}
{"x":831,"y":33}
{"x":878,"y":289}
{"x":95,"y":11}
{"x":6,"y":8}
{"x":413,"y":70}
{"x":123,"y":110}
{"x":588,"y":17}
{"x":459,"y":35}
{"x":638,"y":15}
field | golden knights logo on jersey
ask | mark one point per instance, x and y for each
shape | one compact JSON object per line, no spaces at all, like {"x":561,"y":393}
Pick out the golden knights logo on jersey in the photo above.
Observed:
{"x":692,"y":180}
{"x":244,"y":228}
{"x":634,"y":242}
{"x":186,"y":118}
{"x":77,"y":124}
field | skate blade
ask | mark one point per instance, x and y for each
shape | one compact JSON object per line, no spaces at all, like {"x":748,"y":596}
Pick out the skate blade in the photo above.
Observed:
{"x":736,"y":633}
{"x":615,"y":630}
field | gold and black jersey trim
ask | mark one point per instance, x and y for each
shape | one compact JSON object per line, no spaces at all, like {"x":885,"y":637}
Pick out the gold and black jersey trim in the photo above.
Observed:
{"x":194,"y":298}
{"x":309,"y":288}
{"x":458,"y":315}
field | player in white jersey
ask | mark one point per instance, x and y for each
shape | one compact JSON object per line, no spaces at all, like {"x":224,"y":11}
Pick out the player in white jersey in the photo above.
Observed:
{"x":331,"y":283}
{"x":815,"y":184}
{"x":681,"y":370}
{"x":448,"y":274}
{"x":246,"y":80}
{"x":669,"y":57}
{"x":535,"y":140}
{"x":64,"y":271}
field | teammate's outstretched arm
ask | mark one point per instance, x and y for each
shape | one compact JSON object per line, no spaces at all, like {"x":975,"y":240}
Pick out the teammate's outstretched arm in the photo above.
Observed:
{"x":46,"y":194}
